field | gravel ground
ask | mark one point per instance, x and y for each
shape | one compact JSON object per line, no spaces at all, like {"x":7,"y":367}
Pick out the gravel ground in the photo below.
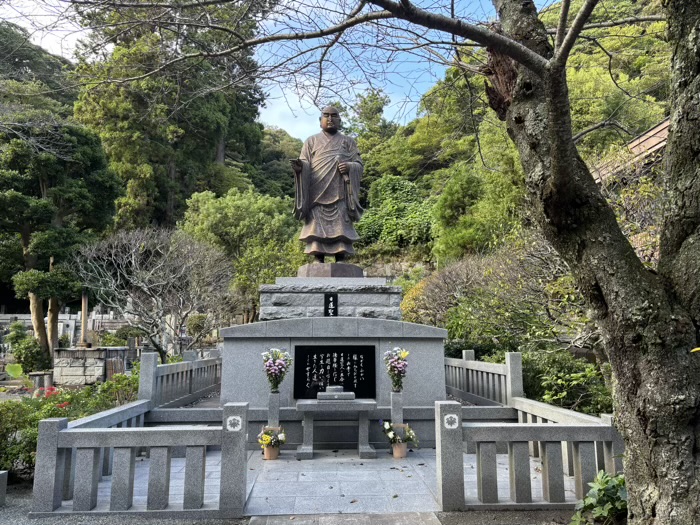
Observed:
{"x":506,"y":517}
{"x":19,"y":502}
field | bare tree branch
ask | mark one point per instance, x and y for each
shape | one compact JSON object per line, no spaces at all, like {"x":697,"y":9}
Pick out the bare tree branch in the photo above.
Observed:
{"x":616,"y":23}
{"x":481,"y":35}
{"x":562,"y":54}
{"x":563,"y":20}
{"x":251,"y":43}
{"x":605,"y":124}
{"x":156,"y":279}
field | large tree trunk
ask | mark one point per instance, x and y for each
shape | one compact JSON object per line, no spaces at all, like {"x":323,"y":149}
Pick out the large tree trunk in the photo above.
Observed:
{"x":36,"y":308}
{"x":52,"y":318}
{"x":221,"y":148}
{"x":648,"y":332}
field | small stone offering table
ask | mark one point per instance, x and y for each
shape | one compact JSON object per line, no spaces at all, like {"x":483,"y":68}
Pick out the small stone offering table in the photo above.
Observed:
{"x":311,"y":407}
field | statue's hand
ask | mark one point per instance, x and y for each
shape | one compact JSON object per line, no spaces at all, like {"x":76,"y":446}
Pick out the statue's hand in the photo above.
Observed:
{"x":344,"y":168}
{"x":296,"y":165}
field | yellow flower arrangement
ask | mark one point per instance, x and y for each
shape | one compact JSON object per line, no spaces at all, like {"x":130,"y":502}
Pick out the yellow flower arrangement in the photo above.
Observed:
{"x":271,"y":437}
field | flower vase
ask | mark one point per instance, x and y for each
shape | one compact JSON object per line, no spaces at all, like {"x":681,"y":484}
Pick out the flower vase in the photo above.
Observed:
{"x":400,"y":450}
{"x":271,"y":452}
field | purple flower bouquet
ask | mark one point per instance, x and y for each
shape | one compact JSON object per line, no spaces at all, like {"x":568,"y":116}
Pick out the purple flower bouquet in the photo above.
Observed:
{"x":276,"y":362}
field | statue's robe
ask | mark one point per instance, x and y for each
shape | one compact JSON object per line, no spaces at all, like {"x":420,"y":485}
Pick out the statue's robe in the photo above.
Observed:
{"x":326,"y":201}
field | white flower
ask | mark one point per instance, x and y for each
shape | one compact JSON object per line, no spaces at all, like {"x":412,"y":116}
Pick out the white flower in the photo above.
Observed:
{"x":390,"y":435}
{"x":282,"y":437}
{"x":387,"y":425}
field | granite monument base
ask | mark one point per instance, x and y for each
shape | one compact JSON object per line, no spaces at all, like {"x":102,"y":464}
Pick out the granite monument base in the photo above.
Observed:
{"x":330,"y":270}
{"x":292,"y":297}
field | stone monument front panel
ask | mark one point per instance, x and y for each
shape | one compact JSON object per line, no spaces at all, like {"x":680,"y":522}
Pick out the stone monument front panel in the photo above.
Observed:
{"x":351,"y":366}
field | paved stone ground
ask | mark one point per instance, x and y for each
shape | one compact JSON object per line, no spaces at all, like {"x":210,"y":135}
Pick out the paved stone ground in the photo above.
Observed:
{"x":19,"y":499}
{"x":334,"y":482}
{"x":407,"y":518}
{"x":19,"y":503}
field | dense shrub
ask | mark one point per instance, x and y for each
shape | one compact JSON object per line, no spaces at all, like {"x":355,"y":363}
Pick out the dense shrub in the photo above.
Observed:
{"x":558,"y":378}
{"x":25,"y":349}
{"x":110,"y":339}
{"x":20,"y":418}
{"x":398,"y":218}
{"x":126,"y":331}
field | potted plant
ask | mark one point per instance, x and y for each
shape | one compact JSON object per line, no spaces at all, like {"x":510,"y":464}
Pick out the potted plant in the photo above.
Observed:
{"x":270,"y":439}
{"x":399,"y":443}
{"x":396,"y":366}
{"x":276,"y":363}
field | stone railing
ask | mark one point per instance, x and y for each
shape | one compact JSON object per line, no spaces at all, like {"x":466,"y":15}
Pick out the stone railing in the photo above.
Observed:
{"x":485,"y":384}
{"x":585,"y":439}
{"x":63,"y":465}
{"x":177,"y":384}
{"x":535,"y":412}
{"x":72,"y":457}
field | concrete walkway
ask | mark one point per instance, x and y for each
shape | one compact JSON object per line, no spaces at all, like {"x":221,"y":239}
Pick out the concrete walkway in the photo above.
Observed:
{"x":334,"y":482}
{"x":406,"y":518}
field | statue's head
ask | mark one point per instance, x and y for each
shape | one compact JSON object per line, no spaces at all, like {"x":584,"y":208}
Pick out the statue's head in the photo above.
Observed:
{"x":330,"y":119}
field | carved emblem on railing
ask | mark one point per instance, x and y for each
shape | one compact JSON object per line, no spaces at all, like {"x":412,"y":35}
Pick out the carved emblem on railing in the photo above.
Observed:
{"x":233,"y":423}
{"x":451,"y":421}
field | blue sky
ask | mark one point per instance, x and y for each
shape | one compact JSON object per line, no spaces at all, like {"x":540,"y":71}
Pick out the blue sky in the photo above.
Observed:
{"x":405,"y":85}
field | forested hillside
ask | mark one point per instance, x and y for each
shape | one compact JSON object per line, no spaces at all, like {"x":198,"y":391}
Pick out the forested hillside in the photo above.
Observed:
{"x":82,"y":158}
{"x":456,"y":158}
{"x":444,"y":193}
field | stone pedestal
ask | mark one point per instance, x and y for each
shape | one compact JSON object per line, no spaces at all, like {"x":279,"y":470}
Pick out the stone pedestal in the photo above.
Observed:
{"x":293,"y":297}
{"x":310,"y":407}
{"x":397,"y":408}
{"x":273,"y":410}
{"x":341,"y":270}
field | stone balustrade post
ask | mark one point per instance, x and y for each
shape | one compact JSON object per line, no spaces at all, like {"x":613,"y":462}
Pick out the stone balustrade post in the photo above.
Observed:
{"x":448,"y":451}
{"x":612,"y":450}
{"x":50,"y":466}
{"x":234,"y":460}
{"x":514,"y":385}
{"x":147,"y":378}
{"x":469,"y":355}
{"x":3,"y":487}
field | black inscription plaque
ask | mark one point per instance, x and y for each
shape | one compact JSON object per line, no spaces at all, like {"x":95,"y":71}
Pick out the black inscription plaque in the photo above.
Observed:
{"x":352,"y":367}
{"x":330,"y":305}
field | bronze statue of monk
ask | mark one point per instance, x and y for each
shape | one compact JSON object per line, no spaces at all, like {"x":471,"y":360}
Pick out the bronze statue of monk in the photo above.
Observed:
{"x":327,"y":182}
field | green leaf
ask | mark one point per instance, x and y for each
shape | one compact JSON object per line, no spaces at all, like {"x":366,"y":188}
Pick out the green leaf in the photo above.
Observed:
{"x":14,"y":370}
